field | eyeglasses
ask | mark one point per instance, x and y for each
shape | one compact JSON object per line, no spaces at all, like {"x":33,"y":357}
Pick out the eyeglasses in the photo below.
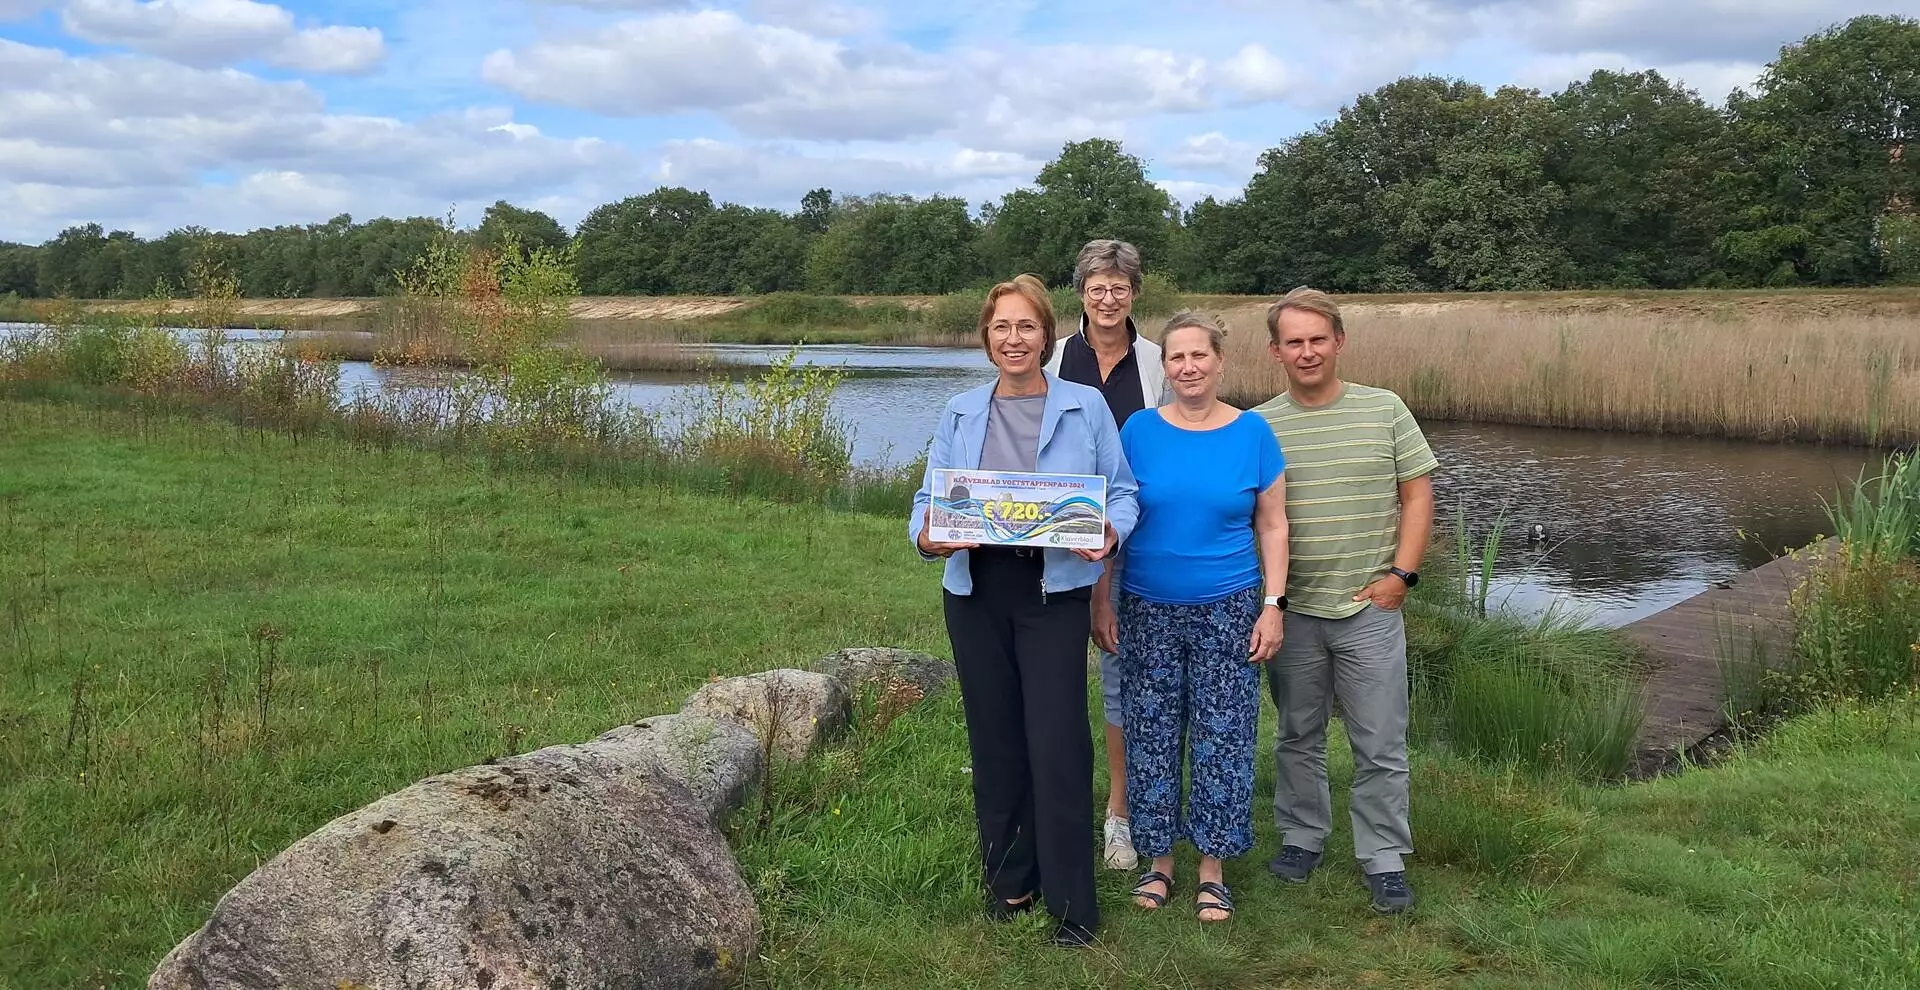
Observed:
{"x":1003,"y":329}
{"x":1119,"y":292}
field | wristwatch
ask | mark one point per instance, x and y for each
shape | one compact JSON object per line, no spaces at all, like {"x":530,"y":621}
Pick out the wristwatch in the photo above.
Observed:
{"x":1277,"y":601}
{"x":1410,"y":577}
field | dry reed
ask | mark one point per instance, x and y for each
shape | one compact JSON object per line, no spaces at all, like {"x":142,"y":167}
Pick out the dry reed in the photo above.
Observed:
{"x":1840,"y":378}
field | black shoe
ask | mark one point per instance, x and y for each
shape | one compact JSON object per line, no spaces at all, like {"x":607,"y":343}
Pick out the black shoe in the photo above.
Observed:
{"x":1072,"y":936}
{"x":1391,"y":895}
{"x":999,"y":910}
{"x":1294,"y":864}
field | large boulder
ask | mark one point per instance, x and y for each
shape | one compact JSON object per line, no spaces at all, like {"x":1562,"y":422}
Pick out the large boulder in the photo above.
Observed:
{"x":884,"y":668}
{"x":792,"y":712}
{"x":573,"y":866}
{"x":717,"y":759}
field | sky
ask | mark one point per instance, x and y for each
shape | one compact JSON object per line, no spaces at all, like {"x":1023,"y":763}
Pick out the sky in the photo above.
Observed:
{"x":147,"y":115}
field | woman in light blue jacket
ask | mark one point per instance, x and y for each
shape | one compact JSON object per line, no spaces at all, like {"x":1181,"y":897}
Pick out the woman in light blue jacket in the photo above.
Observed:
{"x":1018,"y":618}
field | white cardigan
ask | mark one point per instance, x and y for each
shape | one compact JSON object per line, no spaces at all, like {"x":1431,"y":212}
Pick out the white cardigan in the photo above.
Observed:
{"x":1146,"y":354}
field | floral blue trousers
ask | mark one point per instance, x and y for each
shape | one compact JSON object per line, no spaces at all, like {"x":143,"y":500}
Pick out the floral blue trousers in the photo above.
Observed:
{"x":1190,"y":694}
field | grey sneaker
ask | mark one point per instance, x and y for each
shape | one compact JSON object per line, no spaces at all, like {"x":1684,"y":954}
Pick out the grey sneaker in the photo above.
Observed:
{"x":1294,"y":864}
{"x":1119,"y":852}
{"x":1391,"y":895}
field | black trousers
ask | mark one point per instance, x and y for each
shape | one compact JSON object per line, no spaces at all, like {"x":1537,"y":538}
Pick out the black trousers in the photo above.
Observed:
{"x":1022,"y":661}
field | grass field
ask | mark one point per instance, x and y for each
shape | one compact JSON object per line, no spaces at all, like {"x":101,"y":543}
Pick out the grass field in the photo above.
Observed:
{"x":216,"y":639}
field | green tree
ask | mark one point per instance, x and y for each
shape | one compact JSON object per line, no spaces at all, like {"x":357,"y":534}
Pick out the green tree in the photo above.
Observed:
{"x":626,"y":247}
{"x":1642,"y":162}
{"x":1821,"y":148}
{"x":1342,"y":207}
{"x":1093,"y":189}
{"x":737,"y":249}
{"x":19,"y":270}
{"x":530,"y":229}
{"x":816,"y":212}
{"x":896,"y":244}
{"x":1483,"y":215}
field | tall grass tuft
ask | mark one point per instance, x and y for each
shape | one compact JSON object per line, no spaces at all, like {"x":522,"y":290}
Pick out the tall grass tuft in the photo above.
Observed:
{"x":1499,"y":822}
{"x":1554,"y":694}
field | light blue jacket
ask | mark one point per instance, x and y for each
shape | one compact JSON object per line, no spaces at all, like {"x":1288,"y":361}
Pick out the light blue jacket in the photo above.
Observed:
{"x":1077,"y":436}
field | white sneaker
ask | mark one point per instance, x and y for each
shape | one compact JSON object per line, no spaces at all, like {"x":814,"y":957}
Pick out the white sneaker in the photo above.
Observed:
{"x":1119,"y":851}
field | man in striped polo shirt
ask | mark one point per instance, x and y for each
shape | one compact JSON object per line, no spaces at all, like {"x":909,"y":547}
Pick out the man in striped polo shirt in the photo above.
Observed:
{"x":1360,"y":510}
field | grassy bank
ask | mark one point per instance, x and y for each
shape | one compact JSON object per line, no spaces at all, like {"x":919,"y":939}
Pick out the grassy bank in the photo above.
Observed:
{"x":220,"y":637}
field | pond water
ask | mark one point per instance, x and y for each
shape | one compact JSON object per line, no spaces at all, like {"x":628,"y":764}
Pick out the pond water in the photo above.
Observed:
{"x":1632,"y":524}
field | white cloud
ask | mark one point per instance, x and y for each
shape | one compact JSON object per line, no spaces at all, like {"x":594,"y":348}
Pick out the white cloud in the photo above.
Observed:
{"x":1711,"y":80}
{"x":1258,"y":74}
{"x":1213,"y":151}
{"x":769,"y":81}
{"x":209,"y":33}
{"x":777,"y":173}
{"x":837,"y":20}
{"x":20,"y":10}
{"x":1675,"y":32}
{"x":772,"y":81}
{"x":131,"y":140}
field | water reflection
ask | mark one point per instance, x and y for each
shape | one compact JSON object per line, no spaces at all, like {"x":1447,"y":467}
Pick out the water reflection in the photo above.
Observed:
{"x":1631,"y":524}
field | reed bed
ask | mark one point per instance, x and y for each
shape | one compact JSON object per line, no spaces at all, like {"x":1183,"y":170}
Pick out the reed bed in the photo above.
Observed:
{"x":1849,"y":378}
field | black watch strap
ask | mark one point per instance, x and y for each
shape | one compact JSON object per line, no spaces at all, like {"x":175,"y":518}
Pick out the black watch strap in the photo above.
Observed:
{"x":1410,"y":577}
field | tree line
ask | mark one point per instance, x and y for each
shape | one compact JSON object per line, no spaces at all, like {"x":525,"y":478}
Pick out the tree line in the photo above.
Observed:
{"x":1621,"y":180}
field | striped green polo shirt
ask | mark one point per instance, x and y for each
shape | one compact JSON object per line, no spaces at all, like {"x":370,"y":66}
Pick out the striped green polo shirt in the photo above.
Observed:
{"x":1345,"y":462}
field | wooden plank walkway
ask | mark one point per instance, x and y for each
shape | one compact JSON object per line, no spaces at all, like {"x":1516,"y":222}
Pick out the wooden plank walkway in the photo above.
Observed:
{"x":1685,"y":644}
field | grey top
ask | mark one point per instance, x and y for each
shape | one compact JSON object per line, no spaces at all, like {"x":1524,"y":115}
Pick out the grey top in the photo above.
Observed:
{"x":1013,"y":433}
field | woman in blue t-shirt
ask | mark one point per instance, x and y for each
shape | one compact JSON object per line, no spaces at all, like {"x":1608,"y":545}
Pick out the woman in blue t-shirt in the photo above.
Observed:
{"x":1200,"y":605}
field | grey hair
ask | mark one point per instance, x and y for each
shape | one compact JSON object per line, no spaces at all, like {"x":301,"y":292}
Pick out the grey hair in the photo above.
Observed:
{"x":1216,"y":335}
{"x":1106,"y":255}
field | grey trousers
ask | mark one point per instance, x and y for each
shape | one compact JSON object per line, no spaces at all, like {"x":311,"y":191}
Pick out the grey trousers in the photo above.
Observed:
{"x":1363,"y":660}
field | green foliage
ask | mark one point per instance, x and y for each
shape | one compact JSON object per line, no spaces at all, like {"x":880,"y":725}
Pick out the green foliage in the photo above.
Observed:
{"x":1093,"y":189}
{"x":774,"y":429}
{"x":625,"y":248}
{"x":1856,"y":615}
{"x":1819,"y":148}
{"x":503,"y":223}
{"x":795,"y":309}
{"x":1899,"y":245}
{"x":895,"y":244}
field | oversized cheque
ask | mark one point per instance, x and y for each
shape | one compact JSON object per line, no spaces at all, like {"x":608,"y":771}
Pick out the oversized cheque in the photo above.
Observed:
{"x":1019,"y":509}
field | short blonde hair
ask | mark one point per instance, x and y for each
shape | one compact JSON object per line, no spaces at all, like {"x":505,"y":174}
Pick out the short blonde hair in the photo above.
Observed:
{"x":1034,"y":291}
{"x":1306,"y":300}
{"x":1216,"y":335}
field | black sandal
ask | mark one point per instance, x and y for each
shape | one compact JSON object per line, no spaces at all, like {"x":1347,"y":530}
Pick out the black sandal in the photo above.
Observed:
{"x":999,"y":909}
{"x":1153,"y":876}
{"x":1223,"y":901}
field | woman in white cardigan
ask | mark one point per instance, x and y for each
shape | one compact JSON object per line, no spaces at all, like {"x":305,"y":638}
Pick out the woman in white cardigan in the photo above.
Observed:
{"x":1108,"y":353}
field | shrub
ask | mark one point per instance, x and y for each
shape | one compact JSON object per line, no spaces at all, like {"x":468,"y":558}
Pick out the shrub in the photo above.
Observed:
{"x":956,"y":313}
{"x":774,"y":433}
{"x":791,"y":309}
